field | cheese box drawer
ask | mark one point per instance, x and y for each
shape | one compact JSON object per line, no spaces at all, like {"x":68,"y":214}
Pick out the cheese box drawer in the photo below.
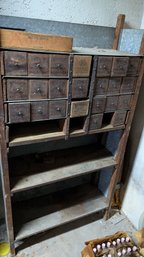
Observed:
{"x":79,"y":108}
{"x":38,"y":64}
{"x":101,"y":85}
{"x":38,"y":89}
{"x":80,"y":88}
{"x":118,"y":118}
{"x":104,"y":66}
{"x":59,"y":65}
{"x":124,"y":102}
{"x":19,"y":112}
{"x":133,"y":67}
{"x":95,"y":121}
{"x":98,"y":104}
{"x":114,"y":85}
{"x":39,"y":111}
{"x":111,"y":103}
{"x":120,"y":66}
{"x":17,"y":89}
{"x":128,"y":85}
{"x":58,"y":88}
{"x":57,"y":109}
{"x":81,"y":66}
{"x":15,"y":63}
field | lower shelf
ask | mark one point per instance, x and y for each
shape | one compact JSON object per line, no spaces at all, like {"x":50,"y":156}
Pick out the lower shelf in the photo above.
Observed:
{"x":44,"y":213}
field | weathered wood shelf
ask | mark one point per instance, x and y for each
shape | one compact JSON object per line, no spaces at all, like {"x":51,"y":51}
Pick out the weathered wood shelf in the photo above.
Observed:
{"x":49,"y":168}
{"x":45,"y":213}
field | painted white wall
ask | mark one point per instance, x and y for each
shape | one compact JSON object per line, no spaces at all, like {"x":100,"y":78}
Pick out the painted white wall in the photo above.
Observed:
{"x":133,"y":203}
{"x":142,"y":22}
{"x":94,"y":12}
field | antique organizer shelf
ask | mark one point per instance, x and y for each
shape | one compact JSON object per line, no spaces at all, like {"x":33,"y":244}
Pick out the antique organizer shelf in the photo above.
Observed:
{"x":49,"y":97}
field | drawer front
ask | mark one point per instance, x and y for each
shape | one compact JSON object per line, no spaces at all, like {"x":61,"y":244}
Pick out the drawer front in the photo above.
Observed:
{"x":38,"y":64}
{"x":98,"y":104}
{"x":124,"y":102}
{"x":118,"y":118}
{"x":59,"y":65}
{"x":104,"y":66}
{"x":81,"y":66}
{"x":57,"y":109}
{"x":15,"y":63}
{"x":120,"y":66}
{"x":114,"y":85}
{"x":80,"y":88}
{"x":58,"y":88}
{"x":111,"y":103}
{"x":38,"y":89}
{"x":101,"y":86}
{"x":95,"y":121}
{"x":17,"y":89}
{"x":133,"y":67}
{"x":128,"y":84}
{"x":39,"y":111}
{"x":79,"y":108}
{"x":19,"y":112}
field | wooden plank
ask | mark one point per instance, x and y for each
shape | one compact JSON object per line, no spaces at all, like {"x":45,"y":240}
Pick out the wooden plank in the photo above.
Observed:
{"x":45,"y":213}
{"x":68,"y":165}
{"x":119,"y":26}
{"x":28,"y":40}
{"x":141,"y":50}
{"x":79,"y":108}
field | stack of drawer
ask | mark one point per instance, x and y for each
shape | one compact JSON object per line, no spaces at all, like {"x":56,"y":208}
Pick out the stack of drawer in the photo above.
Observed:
{"x":115,"y":83}
{"x":35,"y":86}
{"x":80,"y":85}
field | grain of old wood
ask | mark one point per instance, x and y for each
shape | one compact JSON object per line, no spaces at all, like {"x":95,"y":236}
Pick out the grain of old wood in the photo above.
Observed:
{"x":35,"y":41}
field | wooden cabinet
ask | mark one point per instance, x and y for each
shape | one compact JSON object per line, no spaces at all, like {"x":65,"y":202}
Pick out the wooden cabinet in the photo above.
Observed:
{"x":80,"y":100}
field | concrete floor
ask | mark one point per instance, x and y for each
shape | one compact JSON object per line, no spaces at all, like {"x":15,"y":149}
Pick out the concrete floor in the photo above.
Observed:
{"x":68,"y":242}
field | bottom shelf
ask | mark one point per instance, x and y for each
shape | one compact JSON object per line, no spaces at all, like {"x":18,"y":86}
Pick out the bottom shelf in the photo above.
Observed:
{"x":44,"y":213}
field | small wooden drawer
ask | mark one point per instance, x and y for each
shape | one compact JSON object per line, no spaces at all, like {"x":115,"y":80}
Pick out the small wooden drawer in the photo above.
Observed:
{"x":57,"y":109}
{"x":81,"y":66}
{"x":39,"y":111}
{"x":79,"y":108}
{"x":101,"y":86}
{"x":15,"y":63}
{"x":80,"y":88}
{"x":95,"y":121}
{"x":111,"y":103}
{"x":124,"y":102}
{"x":58,"y":88}
{"x":120,"y":66}
{"x":133,"y":67}
{"x":128,"y":84}
{"x":17,"y":89}
{"x":38,"y":89}
{"x":38,"y":64}
{"x":98,"y":104}
{"x":114,"y":85}
{"x":118,"y":118}
{"x":104,"y":66}
{"x":59,"y":65}
{"x":19,"y":112}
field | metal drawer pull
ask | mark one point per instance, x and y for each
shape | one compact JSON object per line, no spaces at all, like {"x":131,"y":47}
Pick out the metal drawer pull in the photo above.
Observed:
{"x":58,"y":109}
{"x":38,"y":65}
{"x":18,"y":90}
{"x":121,"y":67}
{"x":101,"y":86}
{"x":97,"y":104}
{"x":40,"y":111}
{"x":59,"y":66}
{"x":112,"y":103}
{"x":58,"y":88}
{"x":20,"y":114}
{"x":80,"y":87}
{"x":38,"y":90}
{"x":104,"y":66}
